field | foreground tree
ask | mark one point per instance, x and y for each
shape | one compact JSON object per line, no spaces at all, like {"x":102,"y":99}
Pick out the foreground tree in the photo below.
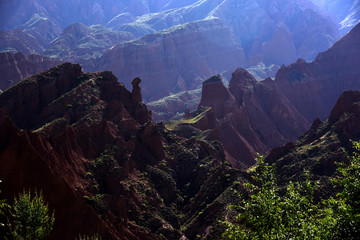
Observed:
{"x":347,"y":206}
{"x":31,"y":217}
{"x":268,"y":214}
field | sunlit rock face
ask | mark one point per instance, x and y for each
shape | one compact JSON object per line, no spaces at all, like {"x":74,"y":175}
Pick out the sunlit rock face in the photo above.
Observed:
{"x":15,"y":13}
{"x":314,"y":87}
{"x":80,"y":42}
{"x":32,"y":37}
{"x":175,"y":60}
{"x":276,"y":31}
{"x":179,"y":44}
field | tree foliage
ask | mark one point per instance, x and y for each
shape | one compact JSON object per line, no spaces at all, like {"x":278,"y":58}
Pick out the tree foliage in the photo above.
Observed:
{"x":31,"y":217}
{"x":348,"y":204}
{"x":92,"y":237}
{"x":273,"y":213}
{"x":270,"y":214}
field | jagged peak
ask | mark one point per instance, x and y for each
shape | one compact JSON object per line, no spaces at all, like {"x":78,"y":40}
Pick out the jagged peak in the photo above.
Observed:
{"x":344,"y":105}
{"x":241,"y":75}
{"x":213,"y":79}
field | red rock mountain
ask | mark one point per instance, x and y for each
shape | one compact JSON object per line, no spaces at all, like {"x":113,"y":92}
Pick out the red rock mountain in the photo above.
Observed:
{"x":251,"y":117}
{"x":314,"y":87}
{"x":320,"y":148}
{"x":174,"y":60}
{"x":270,"y":113}
{"x":18,"y":66}
{"x":90,"y":145}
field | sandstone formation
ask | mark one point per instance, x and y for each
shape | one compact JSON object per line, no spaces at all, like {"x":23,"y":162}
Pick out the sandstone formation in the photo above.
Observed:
{"x":174,"y":60}
{"x":270,"y":113}
{"x":322,"y":147}
{"x":314,"y":87}
{"x":252,"y":117}
{"x":91,"y":147}
{"x":18,"y":66}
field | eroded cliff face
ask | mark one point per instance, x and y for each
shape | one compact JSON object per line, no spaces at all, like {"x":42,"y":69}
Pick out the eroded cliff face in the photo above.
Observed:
{"x":251,"y":117}
{"x":18,"y":66}
{"x":90,"y":145}
{"x":322,"y":147}
{"x":269,"y":113}
{"x":174,"y":60}
{"x":313,"y":88}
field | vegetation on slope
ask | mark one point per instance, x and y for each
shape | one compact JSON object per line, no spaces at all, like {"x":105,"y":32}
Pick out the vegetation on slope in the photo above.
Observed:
{"x":274,"y":212}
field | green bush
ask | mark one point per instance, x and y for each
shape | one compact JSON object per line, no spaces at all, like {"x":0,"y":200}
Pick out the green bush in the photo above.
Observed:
{"x":347,"y":207}
{"x":31,"y":217}
{"x":268,"y":214}
{"x":292,"y":214}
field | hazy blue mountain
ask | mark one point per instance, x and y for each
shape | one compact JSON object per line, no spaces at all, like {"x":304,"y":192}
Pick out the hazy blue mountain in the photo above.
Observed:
{"x":65,"y":12}
{"x":346,"y":13}
{"x":78,"y":41}
{"x":174,"y":60}
{"x":276,"y":31}
{"x":273,"y":32}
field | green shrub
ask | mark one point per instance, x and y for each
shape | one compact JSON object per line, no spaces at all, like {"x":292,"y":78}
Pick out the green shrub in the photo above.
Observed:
{"x":268,"y":214}
{"x":31,"y":217}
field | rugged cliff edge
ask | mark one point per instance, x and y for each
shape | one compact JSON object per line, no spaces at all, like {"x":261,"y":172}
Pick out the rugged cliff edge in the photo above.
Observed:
{"x":251,"y":117}
{"x":18,"y":66}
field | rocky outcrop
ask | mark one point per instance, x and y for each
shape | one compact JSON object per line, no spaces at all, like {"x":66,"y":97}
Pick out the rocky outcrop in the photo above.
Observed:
{"x":174,"y":60}
{"x":18,"y":66}
{"x":217,"y":96}
{"x":252,"y":117}
{"x":40,"y":167}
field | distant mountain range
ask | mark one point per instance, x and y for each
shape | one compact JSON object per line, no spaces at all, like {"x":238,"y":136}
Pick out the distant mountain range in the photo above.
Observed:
{"x":272,"y":32}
